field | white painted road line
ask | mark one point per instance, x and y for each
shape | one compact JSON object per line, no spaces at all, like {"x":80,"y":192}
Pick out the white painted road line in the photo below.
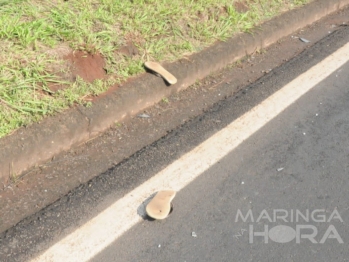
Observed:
{"x":94,"y":236}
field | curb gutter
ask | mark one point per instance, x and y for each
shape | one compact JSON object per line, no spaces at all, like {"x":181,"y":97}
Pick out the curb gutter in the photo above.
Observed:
{"x":41,"y":141}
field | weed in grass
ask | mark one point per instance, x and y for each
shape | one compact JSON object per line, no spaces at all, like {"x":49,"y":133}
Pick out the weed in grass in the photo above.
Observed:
{"x":14,"y":179}
{"x":165,"y":100}
{"x":117,"y":124}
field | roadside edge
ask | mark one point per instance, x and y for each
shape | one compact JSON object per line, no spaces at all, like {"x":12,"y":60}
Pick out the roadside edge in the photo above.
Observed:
{"x":41,"y":141}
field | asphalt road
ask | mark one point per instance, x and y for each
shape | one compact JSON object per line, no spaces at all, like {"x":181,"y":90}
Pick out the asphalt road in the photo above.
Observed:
{"x":280,"y":194}
{"x":296,"y":166}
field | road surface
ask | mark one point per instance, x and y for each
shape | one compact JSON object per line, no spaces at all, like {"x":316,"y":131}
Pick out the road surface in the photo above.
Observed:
{"x":262,"y":176}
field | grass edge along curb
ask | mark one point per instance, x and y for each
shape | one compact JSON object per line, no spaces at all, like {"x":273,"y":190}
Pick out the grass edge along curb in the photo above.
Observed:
{"x":42,"y":42}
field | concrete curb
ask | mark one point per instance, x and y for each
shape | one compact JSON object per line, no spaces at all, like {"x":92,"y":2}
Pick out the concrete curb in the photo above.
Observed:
{"x":41,"y":141}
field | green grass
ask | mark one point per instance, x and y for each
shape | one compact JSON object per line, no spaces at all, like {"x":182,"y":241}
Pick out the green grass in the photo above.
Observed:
{"x":32,"y":30}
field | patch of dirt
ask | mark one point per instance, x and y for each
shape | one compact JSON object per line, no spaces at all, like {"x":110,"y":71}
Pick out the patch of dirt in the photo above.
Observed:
{"x":129,"y":50}
{"x":70,"y":64}
{"x":202,"y":16}
{"x":88,"y":66}
{"x":241,"y":7}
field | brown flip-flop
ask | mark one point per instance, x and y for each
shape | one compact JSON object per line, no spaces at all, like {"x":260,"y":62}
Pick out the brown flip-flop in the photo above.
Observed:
{"x":160,"y":206}
{"x":157,"y":68}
